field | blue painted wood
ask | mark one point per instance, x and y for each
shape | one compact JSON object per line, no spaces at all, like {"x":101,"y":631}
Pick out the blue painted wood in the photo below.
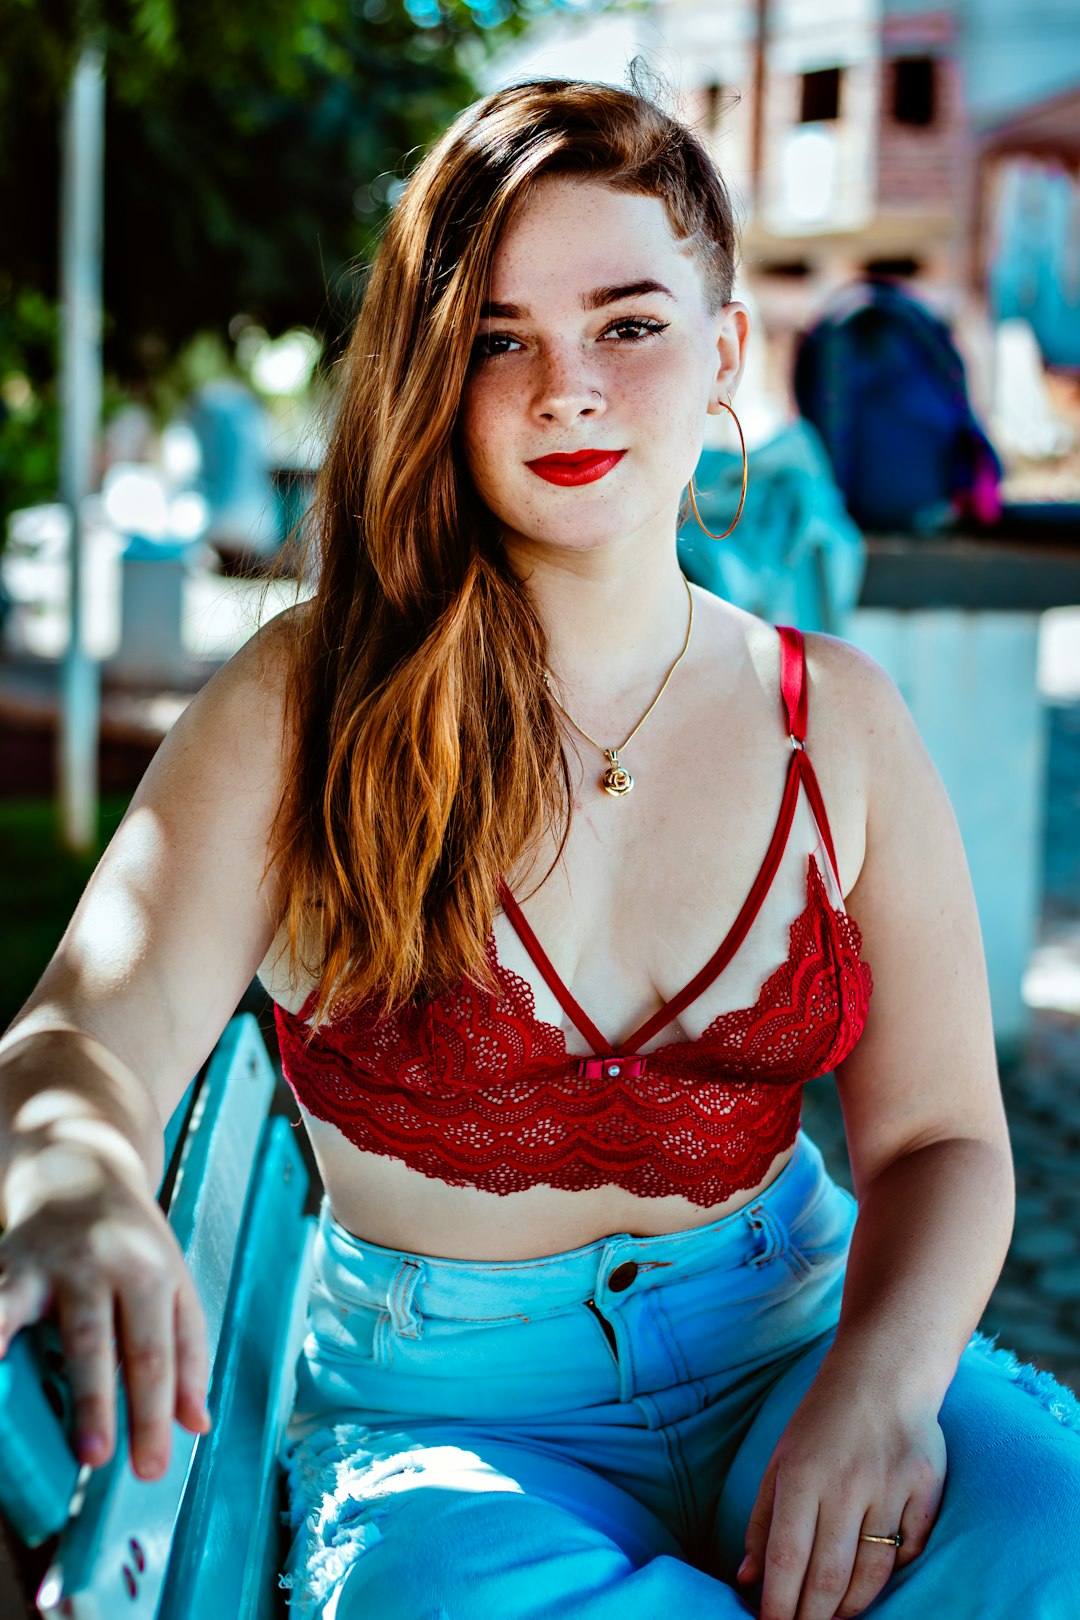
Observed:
{"x":175,"y":1128}
{"x":39,"y":1470}
{"x":227,"y":1543}
{"x":118,"y":1521}
{"x":264,"y":1599}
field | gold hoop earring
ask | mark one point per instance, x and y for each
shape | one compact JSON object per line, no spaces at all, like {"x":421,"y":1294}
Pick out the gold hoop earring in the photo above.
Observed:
{"x":742,"y":497}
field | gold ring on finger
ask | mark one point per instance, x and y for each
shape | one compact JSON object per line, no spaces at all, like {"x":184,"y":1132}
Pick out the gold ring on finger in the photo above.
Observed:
{"x":885,"y":1541}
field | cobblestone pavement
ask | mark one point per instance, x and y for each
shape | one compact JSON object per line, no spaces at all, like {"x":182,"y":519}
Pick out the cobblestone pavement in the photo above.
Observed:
{"x":1035,"y":1308}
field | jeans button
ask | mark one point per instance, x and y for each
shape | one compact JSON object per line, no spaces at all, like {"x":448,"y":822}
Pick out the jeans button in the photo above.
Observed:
{"x":623,"y":1276}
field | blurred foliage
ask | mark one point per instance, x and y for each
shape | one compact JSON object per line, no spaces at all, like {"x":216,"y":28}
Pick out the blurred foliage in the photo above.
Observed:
{"x":201,"y":359}
{"x":40,"y":885}
{"x":30,"y":399}
{"x":29,"y":413}
{"x":251,"y":149}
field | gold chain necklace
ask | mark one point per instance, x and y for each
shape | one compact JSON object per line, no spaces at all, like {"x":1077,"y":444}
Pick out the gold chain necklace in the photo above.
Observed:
{"x":617,"y":780}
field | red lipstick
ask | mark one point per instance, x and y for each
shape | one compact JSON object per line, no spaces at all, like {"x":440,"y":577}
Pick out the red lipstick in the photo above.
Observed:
{"x":581,"y":467}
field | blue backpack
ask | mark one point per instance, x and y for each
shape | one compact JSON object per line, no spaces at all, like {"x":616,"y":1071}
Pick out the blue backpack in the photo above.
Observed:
{"x":882,"y":381}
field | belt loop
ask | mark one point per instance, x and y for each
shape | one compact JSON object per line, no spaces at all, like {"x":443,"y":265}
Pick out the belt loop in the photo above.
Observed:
{"x":403,"y":1314}
{"x":774,"y":1237}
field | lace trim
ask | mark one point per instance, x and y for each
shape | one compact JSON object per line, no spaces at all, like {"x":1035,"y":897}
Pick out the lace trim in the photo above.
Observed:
{"x":474,"y":1090}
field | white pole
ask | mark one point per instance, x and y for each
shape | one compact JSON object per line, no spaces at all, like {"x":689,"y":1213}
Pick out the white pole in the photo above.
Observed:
{"x":82,"y":191}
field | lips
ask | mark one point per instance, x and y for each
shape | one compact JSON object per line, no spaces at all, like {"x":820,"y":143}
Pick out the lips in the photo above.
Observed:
{"x":577,"y":467}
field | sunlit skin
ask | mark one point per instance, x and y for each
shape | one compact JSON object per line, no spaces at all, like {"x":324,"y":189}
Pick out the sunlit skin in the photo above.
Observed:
{"x":638,"y":374}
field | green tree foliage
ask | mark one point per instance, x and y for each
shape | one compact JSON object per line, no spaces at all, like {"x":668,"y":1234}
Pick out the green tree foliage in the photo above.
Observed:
{"x":29,"y":426}
{"x":251,"y":151}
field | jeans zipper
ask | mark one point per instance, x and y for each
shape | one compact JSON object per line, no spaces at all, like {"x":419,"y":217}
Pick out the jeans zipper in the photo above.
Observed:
{"x":606,"y":1325}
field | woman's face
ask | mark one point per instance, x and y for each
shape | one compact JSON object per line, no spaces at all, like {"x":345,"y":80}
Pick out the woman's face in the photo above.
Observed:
{"x":596,"y":337}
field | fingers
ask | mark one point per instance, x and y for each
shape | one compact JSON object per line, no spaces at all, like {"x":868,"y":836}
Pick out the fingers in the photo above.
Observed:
{"x":815,"y":1565}
{"x":24,"y":1298}
{"x":796,"y":1557}
{"x":829,"y":1571}
{"x":117,"y":1290}
{"x":165,"y":1360}
{"x":873,"y":1561}
{"x":920,"y":1516}
{"x":757,"y":1531}
{"x":146,"y":1319}
{"x":192,"y":1359}
{"x":85,"y":1319}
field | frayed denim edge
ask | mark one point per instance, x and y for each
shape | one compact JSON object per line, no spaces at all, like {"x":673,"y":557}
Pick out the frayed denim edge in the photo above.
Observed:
{"x":326,"y":1468}
{"x":1058,"y":1399}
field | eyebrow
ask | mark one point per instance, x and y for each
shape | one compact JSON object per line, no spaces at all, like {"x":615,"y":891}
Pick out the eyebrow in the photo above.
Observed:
{"x":597,"y":299}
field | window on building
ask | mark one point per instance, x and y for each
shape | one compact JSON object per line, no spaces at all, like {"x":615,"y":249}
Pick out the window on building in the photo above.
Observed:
{"x":914,"y":84}
{"x":820,"y":95}
{"x":792,"y":269}
{"x":903,"y":267}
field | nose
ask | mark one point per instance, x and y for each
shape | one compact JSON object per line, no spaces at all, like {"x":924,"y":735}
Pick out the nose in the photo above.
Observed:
{"x":565,"y":392}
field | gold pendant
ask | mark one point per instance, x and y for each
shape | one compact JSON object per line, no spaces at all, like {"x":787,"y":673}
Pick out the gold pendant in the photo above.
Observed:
{"x":616,"y":780}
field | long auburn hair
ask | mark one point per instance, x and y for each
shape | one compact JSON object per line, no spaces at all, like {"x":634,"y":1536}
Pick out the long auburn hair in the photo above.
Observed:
{"x":425,"y":754}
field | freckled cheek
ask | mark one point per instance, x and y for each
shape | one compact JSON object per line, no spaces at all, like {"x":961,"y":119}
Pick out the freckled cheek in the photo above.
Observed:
{"x":667,"y":389}
{"x":486,"y":431}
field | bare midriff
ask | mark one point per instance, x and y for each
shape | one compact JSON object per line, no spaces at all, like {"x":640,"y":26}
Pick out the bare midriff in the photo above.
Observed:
{"x":385,"y":1202}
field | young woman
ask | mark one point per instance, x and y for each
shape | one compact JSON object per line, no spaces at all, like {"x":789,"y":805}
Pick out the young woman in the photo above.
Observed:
{"x":565,"y":877}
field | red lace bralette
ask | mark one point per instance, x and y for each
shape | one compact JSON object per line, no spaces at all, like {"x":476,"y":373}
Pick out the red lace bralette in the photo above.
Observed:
{"x":473,"y":1089}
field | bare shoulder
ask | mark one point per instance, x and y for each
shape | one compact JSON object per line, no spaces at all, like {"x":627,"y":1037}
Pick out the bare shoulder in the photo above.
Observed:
{"x":249,"y":694}
{"x":857,"y":708}
{"x":181,"y":908}
{"x":234,"y":739}
{"x":850,"y":685}
{"x":862,"y":742}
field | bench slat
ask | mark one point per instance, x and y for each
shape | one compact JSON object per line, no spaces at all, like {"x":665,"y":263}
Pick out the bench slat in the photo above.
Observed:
{"x":39,"y":1471}
{"x":95,"y":1573}
{"x":228,"y":1536}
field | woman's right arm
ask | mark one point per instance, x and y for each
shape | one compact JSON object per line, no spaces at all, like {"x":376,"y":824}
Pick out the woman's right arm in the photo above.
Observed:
{"x":165,"y":939}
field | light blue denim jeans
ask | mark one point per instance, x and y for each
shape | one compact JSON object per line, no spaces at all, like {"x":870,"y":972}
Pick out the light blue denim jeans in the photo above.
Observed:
{"x":582,"y":1435}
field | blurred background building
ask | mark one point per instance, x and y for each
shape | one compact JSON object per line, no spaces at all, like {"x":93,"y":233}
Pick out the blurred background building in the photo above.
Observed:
{"x":938,"y":144}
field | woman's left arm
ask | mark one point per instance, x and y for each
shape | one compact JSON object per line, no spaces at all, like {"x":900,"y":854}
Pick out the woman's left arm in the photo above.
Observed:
{"x":932,"y":1167}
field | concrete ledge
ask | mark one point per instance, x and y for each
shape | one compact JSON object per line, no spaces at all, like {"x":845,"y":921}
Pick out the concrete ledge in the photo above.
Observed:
{"x":1006,"y":575}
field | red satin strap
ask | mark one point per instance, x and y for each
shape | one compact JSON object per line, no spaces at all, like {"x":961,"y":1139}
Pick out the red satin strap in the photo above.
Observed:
{"x":793,"y":679}
{"x":817,"y":805}
{"x":572,"y":1008}
{"x":741,"y":926}
{"x":793,"y":690}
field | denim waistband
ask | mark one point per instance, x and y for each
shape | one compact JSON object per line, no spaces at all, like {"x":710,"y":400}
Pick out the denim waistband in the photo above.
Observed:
{"x":356,"y":1270}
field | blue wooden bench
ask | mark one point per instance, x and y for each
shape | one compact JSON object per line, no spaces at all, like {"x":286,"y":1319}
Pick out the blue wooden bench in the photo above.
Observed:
{"x":206,"y":1539}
